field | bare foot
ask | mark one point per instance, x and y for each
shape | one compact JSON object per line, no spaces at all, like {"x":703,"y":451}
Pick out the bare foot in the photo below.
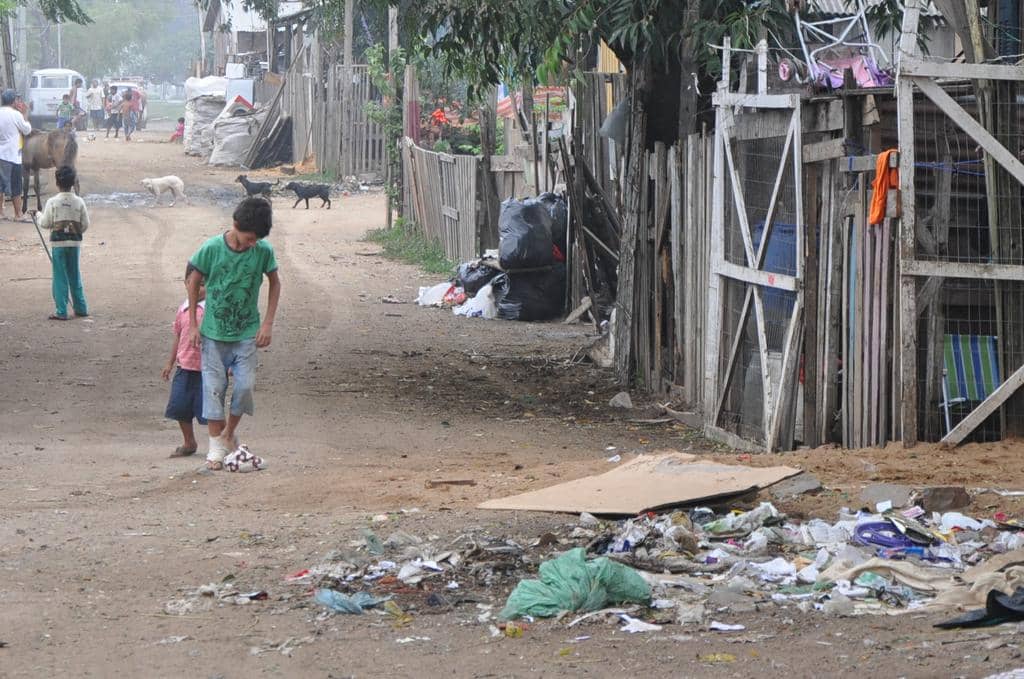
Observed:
{"x":214,"y":466}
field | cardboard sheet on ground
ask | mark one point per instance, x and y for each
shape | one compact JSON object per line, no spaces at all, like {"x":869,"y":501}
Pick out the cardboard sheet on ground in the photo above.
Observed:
{"x":648,"y":482}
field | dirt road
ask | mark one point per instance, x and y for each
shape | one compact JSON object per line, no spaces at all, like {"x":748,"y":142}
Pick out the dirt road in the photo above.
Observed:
{"x":359,"y":404}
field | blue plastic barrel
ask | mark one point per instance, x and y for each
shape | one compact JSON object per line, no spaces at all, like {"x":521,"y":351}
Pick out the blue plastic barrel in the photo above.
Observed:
{"x":780,"y":257}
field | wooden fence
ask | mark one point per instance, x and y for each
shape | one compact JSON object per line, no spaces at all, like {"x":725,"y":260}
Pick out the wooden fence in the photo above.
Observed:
{"x":326,"y":105}
{"x":441,"y":196}
{"x":347,"y":142}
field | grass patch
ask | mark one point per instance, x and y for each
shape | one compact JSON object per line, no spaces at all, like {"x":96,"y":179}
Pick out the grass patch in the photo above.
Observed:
{"x":169,"y":110}
{"x":407,"y":244}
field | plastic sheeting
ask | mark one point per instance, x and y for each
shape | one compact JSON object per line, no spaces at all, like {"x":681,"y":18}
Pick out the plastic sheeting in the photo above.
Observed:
{"x":232,"y":137}
{"x":204,"y":101}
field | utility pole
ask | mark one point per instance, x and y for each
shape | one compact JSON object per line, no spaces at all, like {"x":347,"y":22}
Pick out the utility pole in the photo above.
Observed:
{"x":60,"y":56}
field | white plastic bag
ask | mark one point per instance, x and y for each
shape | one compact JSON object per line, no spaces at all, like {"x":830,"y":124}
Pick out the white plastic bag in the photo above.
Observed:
{"x":433,"y":296}
{"x":480,"y":306}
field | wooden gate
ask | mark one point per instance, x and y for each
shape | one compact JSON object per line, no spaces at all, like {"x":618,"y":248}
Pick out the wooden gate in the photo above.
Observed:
{"x":983,"y":106}
{"x":755,"y":296}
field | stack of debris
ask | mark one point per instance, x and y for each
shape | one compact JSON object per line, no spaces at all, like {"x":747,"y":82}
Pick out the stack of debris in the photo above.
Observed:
{"x":204,"y":101}
{"x":524,"y":279}
{"x":688,"y":555}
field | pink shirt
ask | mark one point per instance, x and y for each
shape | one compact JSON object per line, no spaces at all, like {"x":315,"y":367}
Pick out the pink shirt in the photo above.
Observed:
{"x":188,"y":355}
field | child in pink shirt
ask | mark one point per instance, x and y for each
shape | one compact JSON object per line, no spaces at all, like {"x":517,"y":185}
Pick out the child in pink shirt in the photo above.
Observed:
{"x":186,"y":400}
{"x":179,"y":131}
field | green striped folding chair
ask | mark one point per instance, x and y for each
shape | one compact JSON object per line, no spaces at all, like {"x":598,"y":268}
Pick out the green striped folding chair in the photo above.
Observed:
{"x":971,"y":370}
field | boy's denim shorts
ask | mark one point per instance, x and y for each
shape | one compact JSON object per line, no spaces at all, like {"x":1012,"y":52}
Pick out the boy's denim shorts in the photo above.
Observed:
{"x":217,"y":358}
{"x":186,"y":401}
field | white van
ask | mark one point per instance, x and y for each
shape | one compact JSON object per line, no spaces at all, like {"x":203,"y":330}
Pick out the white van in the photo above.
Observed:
{"x":45,"y":89}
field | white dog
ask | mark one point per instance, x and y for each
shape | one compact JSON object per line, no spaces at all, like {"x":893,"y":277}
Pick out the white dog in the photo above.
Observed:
{"x":157,"y":185}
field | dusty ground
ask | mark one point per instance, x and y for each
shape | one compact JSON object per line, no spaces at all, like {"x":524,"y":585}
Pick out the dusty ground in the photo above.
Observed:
{"x":359,"y":404}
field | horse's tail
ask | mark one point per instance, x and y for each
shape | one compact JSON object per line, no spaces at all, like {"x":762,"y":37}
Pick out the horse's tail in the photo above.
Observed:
{"x":70,"y":152}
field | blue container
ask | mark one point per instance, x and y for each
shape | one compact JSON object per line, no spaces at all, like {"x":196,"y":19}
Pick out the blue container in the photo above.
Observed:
{"x":780,"y":257}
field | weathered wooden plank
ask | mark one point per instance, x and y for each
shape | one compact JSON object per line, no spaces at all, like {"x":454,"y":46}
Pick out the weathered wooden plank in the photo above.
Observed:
{"x":767,"y":279}
{"x":913,"y":66}
{"x":676,"y":250}
{"x":712,"y":329}
{"x":812,"y":320}
{"x":907,"y":239}
{"x":829,"y":149}
{"x":884,"y":394}
{"x":755,"y":100}
{"x":1004,"y":272}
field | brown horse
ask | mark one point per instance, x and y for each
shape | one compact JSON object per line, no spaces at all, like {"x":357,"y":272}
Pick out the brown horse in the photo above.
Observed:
{"x":44,"y":150}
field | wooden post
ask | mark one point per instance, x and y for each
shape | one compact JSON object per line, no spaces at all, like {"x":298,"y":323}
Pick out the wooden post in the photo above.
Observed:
{"x":811,"y":328}
{"x":348,"y":27}
{"x":716,"y":248}
{"x":635,"y":185}
{"x":676,"y":249}
{"x":833,"y":269}
{"x":907,"y":238}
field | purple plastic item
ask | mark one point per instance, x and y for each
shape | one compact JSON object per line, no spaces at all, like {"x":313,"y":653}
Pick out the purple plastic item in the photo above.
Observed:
{"x":882,"y":534}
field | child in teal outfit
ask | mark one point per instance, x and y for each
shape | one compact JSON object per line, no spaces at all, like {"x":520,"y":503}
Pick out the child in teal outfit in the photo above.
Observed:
{"x":66,"y":217}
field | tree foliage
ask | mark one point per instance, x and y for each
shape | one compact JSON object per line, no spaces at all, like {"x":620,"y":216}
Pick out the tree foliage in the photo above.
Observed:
{"x":57,"y":11}
{"x":153,"y":38}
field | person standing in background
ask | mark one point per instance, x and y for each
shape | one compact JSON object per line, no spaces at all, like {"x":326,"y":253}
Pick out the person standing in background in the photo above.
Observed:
{"x":94,"y":103}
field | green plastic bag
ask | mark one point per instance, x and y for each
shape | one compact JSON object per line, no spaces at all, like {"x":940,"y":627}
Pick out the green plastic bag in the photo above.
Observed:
{"x":571,"y":583}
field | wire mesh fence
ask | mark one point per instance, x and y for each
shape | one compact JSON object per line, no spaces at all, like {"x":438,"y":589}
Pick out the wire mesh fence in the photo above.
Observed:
{"x":969,"y":211}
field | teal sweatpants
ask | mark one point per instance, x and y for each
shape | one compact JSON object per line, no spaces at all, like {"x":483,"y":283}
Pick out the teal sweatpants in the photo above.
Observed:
{"x":67,"y":278}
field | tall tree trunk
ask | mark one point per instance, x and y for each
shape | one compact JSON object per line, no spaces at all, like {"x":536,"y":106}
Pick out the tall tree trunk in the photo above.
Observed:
{"x":633,"y":221}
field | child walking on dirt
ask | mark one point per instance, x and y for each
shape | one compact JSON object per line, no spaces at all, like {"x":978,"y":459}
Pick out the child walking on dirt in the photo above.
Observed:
{"x":233,"y":265}
{"x":186,"y":399}
{"x":66,"y":217}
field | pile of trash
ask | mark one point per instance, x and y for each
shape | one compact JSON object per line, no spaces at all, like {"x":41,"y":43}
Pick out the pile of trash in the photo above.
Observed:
{"x":525,"y":278}
{"x":699,"y":564}
{"x":693,"y":566}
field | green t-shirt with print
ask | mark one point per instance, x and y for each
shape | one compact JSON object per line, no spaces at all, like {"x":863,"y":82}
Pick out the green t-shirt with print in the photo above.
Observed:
{"x":233,"y":282}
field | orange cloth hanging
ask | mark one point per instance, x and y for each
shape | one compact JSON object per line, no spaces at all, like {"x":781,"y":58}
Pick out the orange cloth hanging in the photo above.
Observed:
{"x":885,"y":178}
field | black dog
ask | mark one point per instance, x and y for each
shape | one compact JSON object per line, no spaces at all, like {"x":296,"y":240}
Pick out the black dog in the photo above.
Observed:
{"x":255,"y":188}
{"x":307,"y":191}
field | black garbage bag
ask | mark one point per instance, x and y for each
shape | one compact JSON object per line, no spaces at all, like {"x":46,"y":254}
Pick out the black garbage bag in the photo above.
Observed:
{"x":472,"y":276}
{"x":533,"y":295}
{"x":559,"y":212}
{"x":524,"y":229}
{"x":999,"y":608}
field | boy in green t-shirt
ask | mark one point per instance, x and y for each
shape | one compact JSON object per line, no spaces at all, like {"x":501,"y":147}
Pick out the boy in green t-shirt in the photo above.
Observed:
{"x":233,"y":265}
{"x":64,"y":112}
